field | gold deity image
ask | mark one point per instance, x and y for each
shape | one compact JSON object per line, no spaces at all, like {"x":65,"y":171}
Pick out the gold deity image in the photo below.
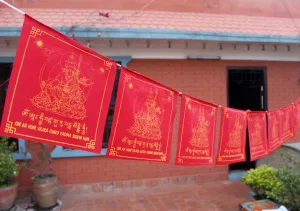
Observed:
{"x":63,"y":89}
{"x":235,"y":135}
{"x":147,"y":121}
{"x":256,"y":136}
{"x":200,"y":132}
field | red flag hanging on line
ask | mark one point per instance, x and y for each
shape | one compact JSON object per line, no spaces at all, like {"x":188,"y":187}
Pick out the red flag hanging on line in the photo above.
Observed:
{"x":287,"y":123}
{"x":197,"y":131}
{"x":232,"y":141}
{"x":59,"y":90}
{"x":274,"y":130}
{"x":296,"y":115}
{"x":257,"y":128}
{"x":143,"y":119}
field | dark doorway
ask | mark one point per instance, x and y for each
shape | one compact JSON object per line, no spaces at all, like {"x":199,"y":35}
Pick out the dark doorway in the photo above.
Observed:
{"x":5,"y":70}
{"x":246,"y":90}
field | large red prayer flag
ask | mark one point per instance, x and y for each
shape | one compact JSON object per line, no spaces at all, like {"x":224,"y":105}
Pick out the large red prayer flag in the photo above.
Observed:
{"x":197,"y":131}
{"x":59,"y":90}
{"x":143,"y":119}
{"x":287,"y":123}
{"x":232,"y":142}
{"x":274,"y":130}
{"x":296,"y":115}
{"x":257,"y":128}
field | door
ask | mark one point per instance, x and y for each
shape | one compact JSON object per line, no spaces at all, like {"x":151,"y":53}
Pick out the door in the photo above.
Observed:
{"x":246,"y":90}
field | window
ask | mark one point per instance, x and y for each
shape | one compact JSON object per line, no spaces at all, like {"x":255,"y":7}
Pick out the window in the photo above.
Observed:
{"x":5,"y":70}
{"x":67,"y":152}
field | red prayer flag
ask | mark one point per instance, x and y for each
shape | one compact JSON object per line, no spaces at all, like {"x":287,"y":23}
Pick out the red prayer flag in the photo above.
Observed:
{"x":296,"y":115}
{"x":232,"y":141}
{"x":257,"y":128}
{"x":197,"y":131}
{"x":287,"y":123}
{"x":143,"y":119}
{"x":274,"y":130}
{"x":59,"y":90}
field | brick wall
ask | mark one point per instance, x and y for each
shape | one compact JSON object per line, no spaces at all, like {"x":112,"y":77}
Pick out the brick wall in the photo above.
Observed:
{"x":202,"y":79}
{"x":272,"y":8}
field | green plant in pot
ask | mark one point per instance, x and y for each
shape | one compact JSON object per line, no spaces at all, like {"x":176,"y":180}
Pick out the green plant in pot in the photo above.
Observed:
{"x":288,"y":193}
{"x":8,"y":170}
{"x":45,"y":183}
{"x":280,"y":185}
{"x":261,"y":180}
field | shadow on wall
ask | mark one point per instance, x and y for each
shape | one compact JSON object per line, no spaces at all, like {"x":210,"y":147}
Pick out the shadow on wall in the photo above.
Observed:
{"x":275,"y":159}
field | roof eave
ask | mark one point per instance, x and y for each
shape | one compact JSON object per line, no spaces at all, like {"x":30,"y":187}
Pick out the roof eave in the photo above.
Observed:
{"x":148,"y":33}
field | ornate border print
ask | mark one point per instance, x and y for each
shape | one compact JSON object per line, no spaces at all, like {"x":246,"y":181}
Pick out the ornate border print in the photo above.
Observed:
{"x":143,"y":119}
{"x":59,"y":91}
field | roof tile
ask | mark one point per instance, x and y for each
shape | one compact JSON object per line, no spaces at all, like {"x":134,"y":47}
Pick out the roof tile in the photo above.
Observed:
{"x":157,"y":20}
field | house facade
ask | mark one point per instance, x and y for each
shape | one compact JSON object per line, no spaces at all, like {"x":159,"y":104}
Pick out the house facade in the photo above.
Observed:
{"x":234,"y":53}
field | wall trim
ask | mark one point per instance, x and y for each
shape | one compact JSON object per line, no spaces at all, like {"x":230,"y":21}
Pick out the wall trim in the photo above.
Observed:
{"x":150,"y":33}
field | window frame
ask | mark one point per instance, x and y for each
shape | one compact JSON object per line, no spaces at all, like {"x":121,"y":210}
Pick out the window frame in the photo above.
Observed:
{"x":59,"y":152}
{"x":20,"y":154}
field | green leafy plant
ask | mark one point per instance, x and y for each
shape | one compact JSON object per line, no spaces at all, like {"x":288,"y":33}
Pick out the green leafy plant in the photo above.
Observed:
{"x":288,"y":193}
{"x":280,"y":185}
{"x":262,"y":180}
{"x":8,"y":167}
{"x":41,"y":162}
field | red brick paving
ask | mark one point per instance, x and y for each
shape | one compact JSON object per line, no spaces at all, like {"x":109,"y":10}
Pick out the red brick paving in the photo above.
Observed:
{"x":216,"y":196}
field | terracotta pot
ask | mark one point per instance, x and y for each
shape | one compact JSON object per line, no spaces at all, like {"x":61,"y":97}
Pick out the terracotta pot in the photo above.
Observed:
{"x":45,"y":191}
{"x":8,"y":196}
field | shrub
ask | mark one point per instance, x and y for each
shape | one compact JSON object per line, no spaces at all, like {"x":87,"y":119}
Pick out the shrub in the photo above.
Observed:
{"x":289,"y":176}
{"x":280,"y":185}
{"x":8,"y":166}
{"x":262,"y":180}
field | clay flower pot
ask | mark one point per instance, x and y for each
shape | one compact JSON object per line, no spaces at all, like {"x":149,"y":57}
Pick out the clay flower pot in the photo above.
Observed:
{"x":8,"y":196}
{"x":45,"y":191}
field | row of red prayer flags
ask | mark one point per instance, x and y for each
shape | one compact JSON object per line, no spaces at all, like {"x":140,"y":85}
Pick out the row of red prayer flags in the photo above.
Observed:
{"x":60,"y":90}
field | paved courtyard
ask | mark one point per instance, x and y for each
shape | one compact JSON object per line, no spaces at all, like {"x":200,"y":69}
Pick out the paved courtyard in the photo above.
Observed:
{"x":216,"y":196}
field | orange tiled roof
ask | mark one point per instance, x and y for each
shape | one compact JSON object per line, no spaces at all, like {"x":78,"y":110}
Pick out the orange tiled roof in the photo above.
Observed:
{"x":156,"y":20}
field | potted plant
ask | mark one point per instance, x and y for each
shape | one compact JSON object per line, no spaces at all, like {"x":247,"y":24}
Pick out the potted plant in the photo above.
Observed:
{"x":261,"y":180}
{"x":281,"y":185}
{"x":45,"y":183}
{"x":288,"y":193}
{"x":8,"y":170}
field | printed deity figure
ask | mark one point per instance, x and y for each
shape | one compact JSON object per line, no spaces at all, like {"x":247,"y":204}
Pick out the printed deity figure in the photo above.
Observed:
{"x":63,"y":94}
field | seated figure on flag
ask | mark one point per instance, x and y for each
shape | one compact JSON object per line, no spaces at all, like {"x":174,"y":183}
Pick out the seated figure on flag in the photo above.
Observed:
{"x":147,"y":122}
{"x":63,"y":94}
{"x":200,"y":132}
{"x":235,"y":135}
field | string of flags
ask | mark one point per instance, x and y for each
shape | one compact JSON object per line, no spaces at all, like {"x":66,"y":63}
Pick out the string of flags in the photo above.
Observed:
{"x":60,"y":90}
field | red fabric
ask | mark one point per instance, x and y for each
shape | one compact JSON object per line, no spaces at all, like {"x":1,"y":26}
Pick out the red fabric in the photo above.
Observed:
{"x":296,"y":115}
{"x":197,"y":131}
{"x":287,"y":123}
{"x":274,"y":130}
{"x":143,"y":119}
{"x":257,"y":128}
{"x":232,"y":141}
{"x":59,"y":90}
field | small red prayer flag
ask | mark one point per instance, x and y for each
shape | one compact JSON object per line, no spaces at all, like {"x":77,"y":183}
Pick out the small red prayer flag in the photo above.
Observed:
{"x":143,"y":119}
{"x":232,"y":141}
{"x":296,"y":115}
{"x":287,"y":123}
{"x":59,"y":90}
{"x":274,"y":130}
{"x":257,"y":128}
{"x":197,"y":131}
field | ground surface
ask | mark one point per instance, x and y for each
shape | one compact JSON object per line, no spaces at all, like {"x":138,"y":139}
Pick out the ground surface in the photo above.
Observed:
{"x":217,"y":196}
